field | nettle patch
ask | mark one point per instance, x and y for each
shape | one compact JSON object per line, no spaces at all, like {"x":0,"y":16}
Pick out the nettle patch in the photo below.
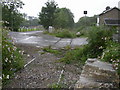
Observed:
{"x":12,"y":59}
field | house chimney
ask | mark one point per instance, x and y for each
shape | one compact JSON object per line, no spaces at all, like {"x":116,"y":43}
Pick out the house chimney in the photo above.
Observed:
{"x":108,"y":7}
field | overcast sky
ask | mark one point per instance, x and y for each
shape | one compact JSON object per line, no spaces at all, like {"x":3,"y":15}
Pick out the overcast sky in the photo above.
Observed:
{"x":94,"y":7}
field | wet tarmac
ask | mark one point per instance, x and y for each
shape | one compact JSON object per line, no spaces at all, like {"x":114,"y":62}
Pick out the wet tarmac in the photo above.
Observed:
{"x":39,"y":39}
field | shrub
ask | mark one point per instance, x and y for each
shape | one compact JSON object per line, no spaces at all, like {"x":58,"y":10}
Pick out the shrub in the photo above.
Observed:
{"x":77,"y":55}
{"x":97,"y":40}
{"x":112,"y":54}
{"x":12,"y":59}
{"x":63,"y":33}
{"x":84,"y":31}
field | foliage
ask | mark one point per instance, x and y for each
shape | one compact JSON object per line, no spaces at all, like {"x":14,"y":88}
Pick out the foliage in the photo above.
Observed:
{"x":84,"y":31}
{"x":63,"y":33}
{"x":86,"y":21}
{"x":98,"y":37}
{"x":112,"y":54}
{"x":28,"y":23}
{"x":46,"y":16}
{"x":78,"y":55}
{"x":10,"y":15}
{"x":64,"y":18}
{"x":12,"y":59}
{"x":50,"y":50}
{"x":85,"y":24}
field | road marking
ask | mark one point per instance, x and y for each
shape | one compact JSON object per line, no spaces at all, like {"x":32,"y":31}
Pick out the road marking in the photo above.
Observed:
{"x":29,"y":62}
{"x":28,"y":38}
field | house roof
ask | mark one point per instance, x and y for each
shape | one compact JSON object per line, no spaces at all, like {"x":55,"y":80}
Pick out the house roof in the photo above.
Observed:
{"x":109,"y":10}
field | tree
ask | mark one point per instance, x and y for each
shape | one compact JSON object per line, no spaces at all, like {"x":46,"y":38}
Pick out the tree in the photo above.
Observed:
{"x":86,"y":21}
{"x":46,"y":16}
{"x":63,"y":18}
{"x":10,"y":14}
{"x":24,"y":15}
{"x":31,"y":22}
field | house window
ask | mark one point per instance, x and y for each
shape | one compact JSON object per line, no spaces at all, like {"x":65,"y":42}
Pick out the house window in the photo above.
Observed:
{"x":112,"y":22}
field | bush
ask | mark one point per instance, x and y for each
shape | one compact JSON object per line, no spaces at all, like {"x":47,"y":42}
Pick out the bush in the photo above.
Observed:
{"x":12,"y":59}
{"x":112,"y":54}
{"x":98,"y":37}
{"x":63,"y":33}
{"x":84,"y":31}
{"x":77,"y":55}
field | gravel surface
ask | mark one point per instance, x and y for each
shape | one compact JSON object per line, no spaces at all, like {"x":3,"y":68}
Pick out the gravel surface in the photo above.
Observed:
{"x":43,"y":71}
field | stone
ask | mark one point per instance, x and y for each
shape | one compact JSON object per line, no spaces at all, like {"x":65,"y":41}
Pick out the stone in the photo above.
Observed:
{"x":98,"y":74}
{"x":51,"y":29}
{"x":78,"y":34}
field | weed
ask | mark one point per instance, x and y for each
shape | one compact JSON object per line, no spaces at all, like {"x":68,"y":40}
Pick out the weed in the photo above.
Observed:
{"x":12,"y":59}
{"x":76,"y":55}
{"x":56,"y":86}
{"x":112,"y":54}
{"x":62,"y":33}
{"x":50,"y":50}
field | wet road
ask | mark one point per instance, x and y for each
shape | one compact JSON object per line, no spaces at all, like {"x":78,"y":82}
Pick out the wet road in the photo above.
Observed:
{"x":39,"y":39}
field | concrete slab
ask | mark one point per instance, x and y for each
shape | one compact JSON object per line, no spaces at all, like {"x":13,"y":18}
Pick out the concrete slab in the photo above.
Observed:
{"x":98,"y":74}
{"x":39,"y":39}
{"x":31,"y":38}
{"x":62,"y":43}
{"x":79,"y":41}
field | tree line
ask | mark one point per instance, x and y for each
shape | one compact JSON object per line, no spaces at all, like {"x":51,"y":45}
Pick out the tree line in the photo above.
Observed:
{"x":50,"y":15}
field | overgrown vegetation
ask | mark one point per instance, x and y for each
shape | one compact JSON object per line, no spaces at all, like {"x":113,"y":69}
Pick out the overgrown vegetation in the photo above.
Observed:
{"x":62,"y":33}
{"x":100,"y":46}
{"x":86,"y":21}
{"x":50,"y":50}
{"x":112,"y":54}
{"x":12,"y":59}
{"x":98,"y":37}
{"x":78,"y":55}
{"x":10,"y":14}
